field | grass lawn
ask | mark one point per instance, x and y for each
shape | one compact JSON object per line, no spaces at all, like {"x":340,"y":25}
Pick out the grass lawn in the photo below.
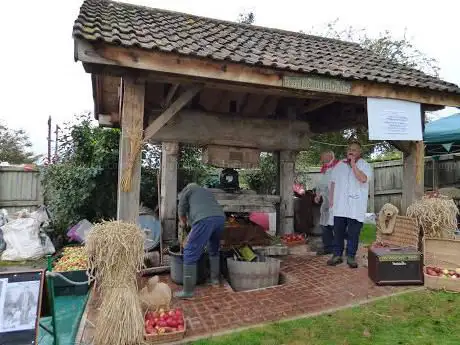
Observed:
{"x":417,"y":318}
{"x":368,"y":233}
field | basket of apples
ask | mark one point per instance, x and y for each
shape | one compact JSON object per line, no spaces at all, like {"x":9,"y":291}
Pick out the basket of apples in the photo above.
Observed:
{"x":164,"y":326}
{"x":293,"y":239}
{"x":439,"y":278}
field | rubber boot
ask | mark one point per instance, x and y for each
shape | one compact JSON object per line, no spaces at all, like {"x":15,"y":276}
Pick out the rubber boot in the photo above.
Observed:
{"x":189,"y":283}
{"x":214,"y":265}
{"x":351,"y":261}
{"x":334,"y":261}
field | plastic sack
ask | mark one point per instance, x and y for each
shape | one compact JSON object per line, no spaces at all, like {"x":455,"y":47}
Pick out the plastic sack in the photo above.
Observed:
{"x":79,"y":231}
{"x":3,"y":217}
{"x":22,"y":240}
{"x":369,"y":218}
{"x":48,"y":246}
{"x":41,"y":216}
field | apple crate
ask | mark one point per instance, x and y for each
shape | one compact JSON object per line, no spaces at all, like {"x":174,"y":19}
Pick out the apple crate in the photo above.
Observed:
{"x":165,"y":337}
{"x":293,"y":240}
{"x":445,"y":254}
{"x":64,"y":288}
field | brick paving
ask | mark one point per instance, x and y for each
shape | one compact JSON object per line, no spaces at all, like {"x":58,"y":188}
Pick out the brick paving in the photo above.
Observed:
{"x":310,"y":287}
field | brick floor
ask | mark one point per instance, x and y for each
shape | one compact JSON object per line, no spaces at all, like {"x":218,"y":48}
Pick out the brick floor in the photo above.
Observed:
{"x":311,"y":287}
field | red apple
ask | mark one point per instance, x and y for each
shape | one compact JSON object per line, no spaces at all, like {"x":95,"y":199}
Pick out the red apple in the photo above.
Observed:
{"x":180,"y":327}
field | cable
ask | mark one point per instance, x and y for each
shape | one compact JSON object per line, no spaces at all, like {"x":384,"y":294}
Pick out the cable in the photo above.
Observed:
{"x":56,"y":274}
{"x":343,"y":145}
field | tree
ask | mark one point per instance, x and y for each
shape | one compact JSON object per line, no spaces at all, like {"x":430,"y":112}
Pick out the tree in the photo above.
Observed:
{"x":15,"y":146}
{"x":246,"y":18}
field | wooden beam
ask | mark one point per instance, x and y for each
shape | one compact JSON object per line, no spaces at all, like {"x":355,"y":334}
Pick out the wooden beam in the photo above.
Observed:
{"x":167,"y":115}
{"x":413,"y":175}
{"x":132,"y":119}
{"x":100,"y":53}
{"x":170,"y":95}
{"x":168,"y":190}
{"x":286,"y":177}
{"x":205,"y":128}
{"x":316,"y":105}
{"x":209,"y":98}
{"x":253,"y":104}
{"x":269,"y":105}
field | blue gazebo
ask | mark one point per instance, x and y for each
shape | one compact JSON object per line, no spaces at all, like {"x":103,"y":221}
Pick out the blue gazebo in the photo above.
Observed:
{"x":442,"y":136}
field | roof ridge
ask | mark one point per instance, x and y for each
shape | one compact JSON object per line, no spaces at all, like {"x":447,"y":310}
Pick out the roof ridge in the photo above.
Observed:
{"x":243,"y":25}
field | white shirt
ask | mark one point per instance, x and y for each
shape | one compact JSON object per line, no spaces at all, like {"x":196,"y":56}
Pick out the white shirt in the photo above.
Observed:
{"x":350,"y":195}
{"x":326,"y":217}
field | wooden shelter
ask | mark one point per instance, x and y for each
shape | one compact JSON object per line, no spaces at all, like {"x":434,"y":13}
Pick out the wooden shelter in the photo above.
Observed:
{"x":187,"y":79}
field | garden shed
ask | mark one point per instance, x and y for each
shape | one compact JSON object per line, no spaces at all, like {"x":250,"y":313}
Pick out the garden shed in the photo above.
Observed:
{"x":177,"y":78}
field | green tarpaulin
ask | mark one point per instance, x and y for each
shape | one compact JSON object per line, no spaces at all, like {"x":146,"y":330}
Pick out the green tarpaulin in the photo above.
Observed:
{"x":69,"y":310}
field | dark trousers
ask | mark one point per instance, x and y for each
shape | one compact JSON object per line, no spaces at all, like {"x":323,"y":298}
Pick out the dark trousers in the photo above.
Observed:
{"x":328,"y":238}
{"x":350,"y":228}
{"x":204,"y":232}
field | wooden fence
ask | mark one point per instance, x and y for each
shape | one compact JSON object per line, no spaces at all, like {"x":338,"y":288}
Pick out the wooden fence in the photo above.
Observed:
{"x":387,"y":184}
{"x":19,"y":188}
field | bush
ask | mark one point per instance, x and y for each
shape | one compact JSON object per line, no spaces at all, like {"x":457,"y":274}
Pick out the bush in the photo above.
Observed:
{"x":83,"y":181}
{"x":262,"y":180}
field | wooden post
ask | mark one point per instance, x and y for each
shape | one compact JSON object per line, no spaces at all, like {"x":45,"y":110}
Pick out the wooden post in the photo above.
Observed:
{"x":435,"y":171}
{"x":371,"y":204}
{"x":276,"y":159}
{"x":168,"y":206}
{"x":413,"y":181}
{"x":131,"y":118}
{"x":287,"y":175}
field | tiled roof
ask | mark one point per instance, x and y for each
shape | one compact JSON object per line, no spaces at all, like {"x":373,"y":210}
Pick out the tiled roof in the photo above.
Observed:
{"x":188,"y":35}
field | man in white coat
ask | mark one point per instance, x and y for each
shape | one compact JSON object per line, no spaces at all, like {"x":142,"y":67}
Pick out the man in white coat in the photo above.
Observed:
{"x":348,"y":196}
{"x":326,"y":220}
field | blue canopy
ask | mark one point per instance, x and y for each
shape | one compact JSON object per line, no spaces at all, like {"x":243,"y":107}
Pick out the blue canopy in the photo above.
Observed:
{"x":443,"y":135}
{"x":445,"y":130}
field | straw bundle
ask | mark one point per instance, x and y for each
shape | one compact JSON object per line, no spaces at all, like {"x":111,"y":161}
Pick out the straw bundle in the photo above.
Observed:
{"x":436,"y":215}
{"x":115,"y":256}
{"x":451,"y":192}
{"x":135,"y":136}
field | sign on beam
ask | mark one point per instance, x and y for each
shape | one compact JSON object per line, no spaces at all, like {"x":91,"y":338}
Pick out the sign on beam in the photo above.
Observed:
{"x":319,"y":84}
{"x":390,"y":119}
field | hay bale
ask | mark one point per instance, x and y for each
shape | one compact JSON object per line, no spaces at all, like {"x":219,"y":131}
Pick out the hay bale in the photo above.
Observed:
{"x":115,"y":257}
{"x":436,"y":215}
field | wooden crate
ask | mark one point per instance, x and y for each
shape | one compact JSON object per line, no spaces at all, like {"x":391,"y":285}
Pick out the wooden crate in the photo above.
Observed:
{"x":405,"y":233}
{"x":443,"y":253}
{"x":165,"y":337}
{"x":231,"y":157}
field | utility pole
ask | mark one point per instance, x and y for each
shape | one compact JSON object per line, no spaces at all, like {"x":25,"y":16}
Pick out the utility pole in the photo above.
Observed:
{"x":56,"y":144}
{"x":49,"y":140}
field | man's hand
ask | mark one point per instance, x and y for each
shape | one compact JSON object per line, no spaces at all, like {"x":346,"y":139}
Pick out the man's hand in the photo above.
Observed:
{"x":331,"y":203}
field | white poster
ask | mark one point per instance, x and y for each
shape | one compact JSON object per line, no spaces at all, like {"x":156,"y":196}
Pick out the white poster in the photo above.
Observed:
{"x":19,"y":307}
{"x":390,"y":119}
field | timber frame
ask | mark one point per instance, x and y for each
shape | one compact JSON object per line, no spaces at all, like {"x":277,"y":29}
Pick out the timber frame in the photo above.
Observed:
{"x":200,"y":101}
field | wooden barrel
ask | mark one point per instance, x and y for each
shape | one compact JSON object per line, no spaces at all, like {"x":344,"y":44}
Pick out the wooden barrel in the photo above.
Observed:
{"x":243,"y":275}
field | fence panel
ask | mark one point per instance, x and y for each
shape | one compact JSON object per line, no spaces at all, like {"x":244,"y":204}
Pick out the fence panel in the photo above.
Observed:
{"x":19,"y":188}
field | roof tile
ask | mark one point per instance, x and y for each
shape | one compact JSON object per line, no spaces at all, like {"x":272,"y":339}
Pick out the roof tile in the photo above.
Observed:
{"x":155,"y":29}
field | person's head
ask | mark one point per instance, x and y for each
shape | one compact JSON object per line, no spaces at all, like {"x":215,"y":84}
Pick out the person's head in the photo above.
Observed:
{"x":327,"y":157}
{"x":354,"y":150}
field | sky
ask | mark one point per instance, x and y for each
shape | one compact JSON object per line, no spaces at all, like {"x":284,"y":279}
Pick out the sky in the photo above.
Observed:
{"x":41,"y":79}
